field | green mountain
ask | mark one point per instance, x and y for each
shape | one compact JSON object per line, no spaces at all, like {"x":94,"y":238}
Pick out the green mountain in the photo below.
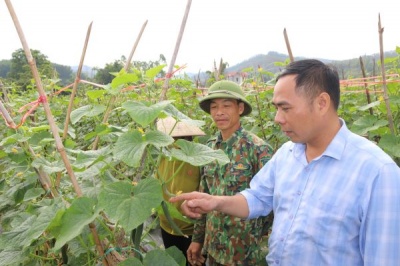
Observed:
{"x":347,"y":69}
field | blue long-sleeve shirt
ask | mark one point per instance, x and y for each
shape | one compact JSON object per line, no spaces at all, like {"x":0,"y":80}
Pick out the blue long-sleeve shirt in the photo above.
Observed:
{"x":342,"y":208}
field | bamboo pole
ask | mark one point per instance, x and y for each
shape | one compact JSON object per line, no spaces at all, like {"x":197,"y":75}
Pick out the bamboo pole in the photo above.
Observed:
{"x":175,"y":54}
{"x":385,"y":93}
{"x":76,"y":82}
{"x":128,"y":62}
{"x":42,"y":94}
{"x":288,"y":45}
{"x":366,"y":85}
{"x":52,"y":124}
{"x":113,"y":98}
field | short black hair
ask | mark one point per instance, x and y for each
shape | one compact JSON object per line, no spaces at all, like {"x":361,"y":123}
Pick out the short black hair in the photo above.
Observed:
{"x":314,"y":77}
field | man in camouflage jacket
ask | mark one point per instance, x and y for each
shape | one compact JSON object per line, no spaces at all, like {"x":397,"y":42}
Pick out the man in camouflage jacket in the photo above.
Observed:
{"x":228,"y":240}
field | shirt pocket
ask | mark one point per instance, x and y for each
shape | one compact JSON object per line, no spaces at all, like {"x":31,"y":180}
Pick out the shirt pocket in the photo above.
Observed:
{"x":238,"y":177}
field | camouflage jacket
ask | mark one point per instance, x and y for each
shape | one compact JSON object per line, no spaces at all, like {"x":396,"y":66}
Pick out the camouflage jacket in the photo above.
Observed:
{"x":231,"y":240}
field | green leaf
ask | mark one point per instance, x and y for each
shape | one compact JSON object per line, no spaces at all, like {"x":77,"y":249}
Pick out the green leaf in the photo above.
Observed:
{"x":95,"y":94}
{"x":11,"y":139}
{"x":131,"y":262}
{"x":87,"y":158}
{"x":33,"y":193}
{"x":130,"y":146}
{"x":162,"y":258}
{"x":87,"y":110}
{"x":153,"y":72}
{"x":371,"y":105}
{"x":366,"y":124}
{"x":197,"y":154}
{"x":143,"y":114}
{"x":11,"y":256}
{"x":81,"y":212}
{"x":124,"y":78}
{"x":48,"y":167}
{"x":391,"y":144}
{"x":31,"y":228}
{"x":131,"y":205}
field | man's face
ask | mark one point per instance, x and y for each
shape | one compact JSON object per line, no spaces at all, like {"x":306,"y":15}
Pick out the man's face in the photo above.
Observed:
{"x":226,"y":114}
{"x":295,"y":113}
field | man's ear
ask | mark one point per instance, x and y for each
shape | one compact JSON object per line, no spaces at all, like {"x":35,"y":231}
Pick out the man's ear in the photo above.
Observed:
{"x":324,"y":102}
{"x":241,"y":107}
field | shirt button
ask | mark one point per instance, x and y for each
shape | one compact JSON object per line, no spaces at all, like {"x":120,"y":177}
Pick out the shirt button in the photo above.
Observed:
{"x":298,"y":193}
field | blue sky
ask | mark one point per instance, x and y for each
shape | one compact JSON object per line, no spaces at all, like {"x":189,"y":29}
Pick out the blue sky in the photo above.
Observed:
{"x":228,"y":29}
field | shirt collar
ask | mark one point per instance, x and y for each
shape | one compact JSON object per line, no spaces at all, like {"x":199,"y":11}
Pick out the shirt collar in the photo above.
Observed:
{"x":236,"y":135}
{"x":335,"y":149}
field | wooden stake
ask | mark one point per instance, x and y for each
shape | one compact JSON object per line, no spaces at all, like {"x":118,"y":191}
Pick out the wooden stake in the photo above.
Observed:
{"x":77,"y":79}
{"x":366,"y":85}
{"x":50,"y":119}
{"x":291,"y":58}
{"x":385,"y":94}
{"x":110,"y":105}
{"x":175,"y":54}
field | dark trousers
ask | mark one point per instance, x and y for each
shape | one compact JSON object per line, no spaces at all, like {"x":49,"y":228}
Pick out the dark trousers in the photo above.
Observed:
{"x":181,"y":242}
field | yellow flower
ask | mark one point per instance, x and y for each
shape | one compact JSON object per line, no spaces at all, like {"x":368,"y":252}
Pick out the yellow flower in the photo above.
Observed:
{"x":14,"y":150}
{"x":381,"y":98}
{"x":19,"y":174}
{"x":141,"y":130}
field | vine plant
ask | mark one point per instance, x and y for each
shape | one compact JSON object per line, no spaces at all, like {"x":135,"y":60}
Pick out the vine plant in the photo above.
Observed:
{"x":120,"y":192}
{"x":121,"y":196}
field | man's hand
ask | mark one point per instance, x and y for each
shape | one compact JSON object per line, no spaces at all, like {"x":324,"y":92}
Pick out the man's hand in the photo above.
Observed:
{"x":196,"y":203}
{"x":194,"y":254}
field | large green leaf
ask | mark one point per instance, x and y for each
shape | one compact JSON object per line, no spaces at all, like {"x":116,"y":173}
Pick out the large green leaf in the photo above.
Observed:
{"x":170,"y":257}
{"x":391,"y":144}
{"x":11,"y":139}
{"x":197,"y":154}
{"x":367,"y":123}
{"x":130,"y":146}
{"x":86,"y":158}
{"x":131,"y":205}
{"x":81,"y":212}
{"x":11,"y":256}
{"x":131,"y":262}
{"x":87,"y":110}
{"x":48,"y":167}
{"x":31,"y":228}
{"x":143,"y":114}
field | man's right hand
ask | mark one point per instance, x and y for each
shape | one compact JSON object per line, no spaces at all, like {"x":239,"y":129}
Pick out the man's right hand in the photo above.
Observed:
{"x":194,"y":254}
{"x":195,"y":203}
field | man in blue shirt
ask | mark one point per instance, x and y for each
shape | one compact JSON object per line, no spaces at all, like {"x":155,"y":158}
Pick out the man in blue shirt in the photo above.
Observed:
{"x":335,"y":195}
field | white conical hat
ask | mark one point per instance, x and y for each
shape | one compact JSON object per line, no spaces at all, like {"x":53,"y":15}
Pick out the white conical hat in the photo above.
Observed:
{"x":181,"y":129}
